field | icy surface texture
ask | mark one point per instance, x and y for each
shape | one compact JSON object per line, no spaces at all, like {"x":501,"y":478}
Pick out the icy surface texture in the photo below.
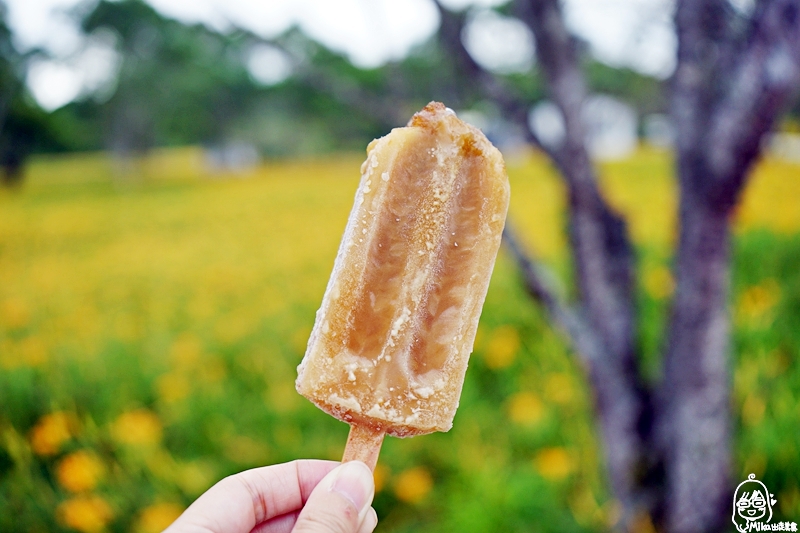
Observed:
{"x":394,"y":333}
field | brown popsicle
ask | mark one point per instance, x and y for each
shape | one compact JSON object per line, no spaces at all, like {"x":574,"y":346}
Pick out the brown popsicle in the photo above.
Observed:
{"x":391,"y":341}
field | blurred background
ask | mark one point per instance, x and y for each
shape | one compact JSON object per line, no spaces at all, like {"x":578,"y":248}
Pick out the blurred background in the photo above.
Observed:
{"x":176,"y":178}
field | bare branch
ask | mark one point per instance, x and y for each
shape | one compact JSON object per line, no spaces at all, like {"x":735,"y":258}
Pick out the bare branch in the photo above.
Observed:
{"x":622,"y":402}
{"x":701,"y":26}
{"x":512,"y":106}
{"x":599,"y":237}
{"x":541,"y":286}
{"x":602,"y":326}
{"x":558,"y":60}
{"x":728,"y":88}
{"x":765,"y":79}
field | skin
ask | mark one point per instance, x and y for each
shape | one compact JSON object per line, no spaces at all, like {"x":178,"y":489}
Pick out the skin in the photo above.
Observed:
{"x":304,"y":496}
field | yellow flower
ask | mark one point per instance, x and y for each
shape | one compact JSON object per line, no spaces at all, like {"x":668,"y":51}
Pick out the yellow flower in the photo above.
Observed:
{"x":195,"y":477}
{"x":558,"y":388}
{"x":173,"y":387}
{"x":80,"y":471}
{"x":50,"y":433}
{"x":502,"y":347}
{"x":88,"y":513}
{"x":413,"y":485}
{"x":658,"y":282}
{"x":33,"y":352}
{"x":14,"y":313}
{"x":756,"y":301}
{"x":157,"y":517}
{"x":186,"y":350}
{"x":525,"y":408}
{"x":381,"y":476}
{"x":584,"y":506}
{"x":553,"y":463}
{"x":753,"y":410}
{"x":138,"y":427}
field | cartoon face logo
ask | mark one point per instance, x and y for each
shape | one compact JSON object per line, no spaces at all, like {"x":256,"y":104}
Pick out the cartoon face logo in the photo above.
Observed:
{"x":751,"y":502}
{"x":751,"y":506}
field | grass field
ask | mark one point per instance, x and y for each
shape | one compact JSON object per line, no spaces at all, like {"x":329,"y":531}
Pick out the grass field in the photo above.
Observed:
{"x":152,"y":316}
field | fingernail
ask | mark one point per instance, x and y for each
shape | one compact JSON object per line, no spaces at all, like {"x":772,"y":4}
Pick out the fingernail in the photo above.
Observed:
{"x":369,"y":522}
{"x":354,"y":481}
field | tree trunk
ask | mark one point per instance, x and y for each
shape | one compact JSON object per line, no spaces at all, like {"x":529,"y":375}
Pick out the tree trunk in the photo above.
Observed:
{"x":668,"y":450}
{"x":693,"y":407}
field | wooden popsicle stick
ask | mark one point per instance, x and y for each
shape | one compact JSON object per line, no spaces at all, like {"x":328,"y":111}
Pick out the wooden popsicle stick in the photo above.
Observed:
{"x":363,"y":444}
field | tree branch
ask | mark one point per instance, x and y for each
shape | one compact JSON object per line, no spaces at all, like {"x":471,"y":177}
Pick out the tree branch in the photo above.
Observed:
{"x":540,"y":284}
{"x":599,"y":237}
{"x":602,"y":327}
{"x":700,"y":27}
{"x":766,"y":77}
{"x":723,"y":105}
{"x":511,"y":105}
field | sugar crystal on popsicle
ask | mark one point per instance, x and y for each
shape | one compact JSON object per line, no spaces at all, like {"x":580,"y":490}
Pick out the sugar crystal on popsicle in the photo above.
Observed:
{"x":391,"y":341}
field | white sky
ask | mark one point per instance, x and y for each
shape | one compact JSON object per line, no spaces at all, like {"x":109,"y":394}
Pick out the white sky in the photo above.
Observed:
{"x":635,"y":33}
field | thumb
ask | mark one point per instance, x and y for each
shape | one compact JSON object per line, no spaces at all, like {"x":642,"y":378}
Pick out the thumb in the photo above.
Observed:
{"x":340,"y":503}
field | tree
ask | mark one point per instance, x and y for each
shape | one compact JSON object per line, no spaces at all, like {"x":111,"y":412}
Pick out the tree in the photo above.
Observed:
{"x":668,"y":445}
{"x":180,"y":84}
{"x":23,"y":125}
{"x":176,"y":84}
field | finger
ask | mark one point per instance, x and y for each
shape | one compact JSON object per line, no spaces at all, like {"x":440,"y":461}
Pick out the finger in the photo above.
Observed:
{"x":285,"y":523}
{"x":340,"y":503}
{"x":370,"y":521}
{"x":239,"y":502}
{"x":279,"y":524}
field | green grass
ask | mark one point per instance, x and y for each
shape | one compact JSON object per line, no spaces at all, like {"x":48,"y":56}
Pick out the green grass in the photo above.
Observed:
{"x":160,"y":313}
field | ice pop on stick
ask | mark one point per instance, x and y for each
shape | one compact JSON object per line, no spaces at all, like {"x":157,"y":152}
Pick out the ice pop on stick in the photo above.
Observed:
{"x":391,"y":341}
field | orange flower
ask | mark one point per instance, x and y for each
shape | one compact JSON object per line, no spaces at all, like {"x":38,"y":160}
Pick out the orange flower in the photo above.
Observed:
{"x":88,"y":513}
{"x":157,"y":517}
{"x":50,"y":433}
{"x":413,"y":485}
{"x":80,"y":471}
{"x":138,"y":427}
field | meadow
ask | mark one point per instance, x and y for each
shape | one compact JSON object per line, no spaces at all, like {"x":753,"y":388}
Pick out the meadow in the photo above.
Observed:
{"x":152,"y":315}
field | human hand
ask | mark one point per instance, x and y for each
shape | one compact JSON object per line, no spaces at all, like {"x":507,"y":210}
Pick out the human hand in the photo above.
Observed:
{"x":305,"y":496}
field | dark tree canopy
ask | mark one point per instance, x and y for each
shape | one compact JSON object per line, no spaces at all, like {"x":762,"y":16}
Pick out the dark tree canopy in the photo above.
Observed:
{"x":23,"y":125}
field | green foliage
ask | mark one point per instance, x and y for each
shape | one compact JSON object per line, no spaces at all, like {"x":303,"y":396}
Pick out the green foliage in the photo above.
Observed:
{"x":177,"y":84}
{"x":181,"y":84}
{"x":766,"y":378}
{"x":23,"y":125}
{"x":150,"y":332}
{"x":644,"y":93}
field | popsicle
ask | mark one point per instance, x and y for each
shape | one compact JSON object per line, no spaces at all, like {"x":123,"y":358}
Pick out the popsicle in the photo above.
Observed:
{"x":390,"y":345}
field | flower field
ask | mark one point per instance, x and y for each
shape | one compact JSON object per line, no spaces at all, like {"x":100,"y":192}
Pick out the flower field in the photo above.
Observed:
{"x":152,"y":315}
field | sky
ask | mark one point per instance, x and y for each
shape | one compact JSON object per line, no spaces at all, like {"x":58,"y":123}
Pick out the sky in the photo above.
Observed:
{"x":634,"y":33}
